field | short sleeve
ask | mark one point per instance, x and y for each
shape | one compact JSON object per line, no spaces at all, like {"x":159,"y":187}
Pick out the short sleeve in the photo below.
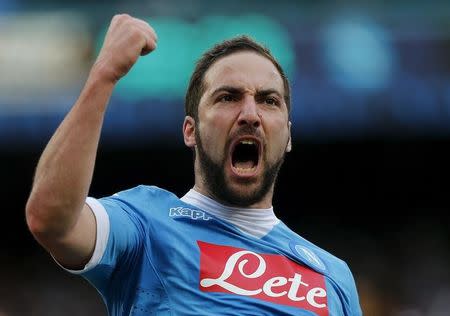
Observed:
{"x":354,"y":297}
{"x":118,"y":244}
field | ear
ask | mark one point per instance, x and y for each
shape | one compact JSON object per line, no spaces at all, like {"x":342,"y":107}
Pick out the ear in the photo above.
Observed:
{"x":289,"y":144}
{"x":189,"y":131}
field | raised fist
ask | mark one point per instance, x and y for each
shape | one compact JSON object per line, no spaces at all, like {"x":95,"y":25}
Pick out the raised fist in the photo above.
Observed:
{"x":127,"y":38}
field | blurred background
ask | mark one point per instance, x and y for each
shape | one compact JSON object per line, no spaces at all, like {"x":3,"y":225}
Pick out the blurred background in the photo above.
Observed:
{"x":368,"y":178}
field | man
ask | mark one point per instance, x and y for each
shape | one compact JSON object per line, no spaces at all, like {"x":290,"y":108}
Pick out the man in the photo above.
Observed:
{"x":219,"y":250}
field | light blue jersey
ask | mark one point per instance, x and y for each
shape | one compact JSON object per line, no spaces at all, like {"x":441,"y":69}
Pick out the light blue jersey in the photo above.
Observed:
{"x":157,"y":254}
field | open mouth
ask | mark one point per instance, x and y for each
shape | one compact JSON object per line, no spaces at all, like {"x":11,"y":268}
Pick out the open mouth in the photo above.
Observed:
{"x":245,"y":155}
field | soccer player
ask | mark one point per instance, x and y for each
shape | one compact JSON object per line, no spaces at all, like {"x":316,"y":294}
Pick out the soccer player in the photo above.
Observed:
{"x":219,"y":249}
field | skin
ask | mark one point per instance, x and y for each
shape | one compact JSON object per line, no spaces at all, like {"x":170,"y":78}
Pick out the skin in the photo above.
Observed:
{"x":56,"y":212}
{"x":243,"y":99}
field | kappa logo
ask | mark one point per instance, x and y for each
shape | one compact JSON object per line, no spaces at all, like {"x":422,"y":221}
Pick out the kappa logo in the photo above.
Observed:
{"x":268,"y":277}
{"x":190,"y":213}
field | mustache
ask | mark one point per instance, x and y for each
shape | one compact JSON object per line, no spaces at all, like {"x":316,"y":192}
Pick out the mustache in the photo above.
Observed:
{"x":246,"y":130}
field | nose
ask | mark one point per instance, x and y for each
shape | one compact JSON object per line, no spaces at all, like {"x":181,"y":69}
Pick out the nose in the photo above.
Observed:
{"x":249,"y":113}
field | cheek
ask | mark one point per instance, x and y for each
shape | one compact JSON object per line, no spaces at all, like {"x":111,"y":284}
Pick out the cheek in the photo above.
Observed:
{"x":211,"y":136}
{"x":278,"y":142}
{"x":216,"y":124}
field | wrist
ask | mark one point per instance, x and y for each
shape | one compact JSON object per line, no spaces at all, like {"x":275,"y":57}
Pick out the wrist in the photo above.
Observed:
{"x":102,"y":72}
{"x":97,"y":89}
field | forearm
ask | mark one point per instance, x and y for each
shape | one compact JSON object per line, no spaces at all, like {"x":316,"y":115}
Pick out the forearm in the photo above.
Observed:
{"x":64,"y":172}
{"x":55,"y":211}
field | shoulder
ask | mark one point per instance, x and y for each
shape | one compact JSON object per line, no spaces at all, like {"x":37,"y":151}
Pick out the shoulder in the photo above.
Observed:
{"x":319,"y":258}
{"x":143,"y":192}
{"x":143,"y":201}
{"x":338,"y":271}
{"x":331,"y":265}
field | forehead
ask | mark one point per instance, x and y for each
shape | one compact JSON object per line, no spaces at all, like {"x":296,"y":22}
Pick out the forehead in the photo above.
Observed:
{"x":245,"y":70}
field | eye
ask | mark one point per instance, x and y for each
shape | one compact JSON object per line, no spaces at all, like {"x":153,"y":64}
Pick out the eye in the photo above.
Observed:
{"x":271,"y":101}
{"x":226,"y":98}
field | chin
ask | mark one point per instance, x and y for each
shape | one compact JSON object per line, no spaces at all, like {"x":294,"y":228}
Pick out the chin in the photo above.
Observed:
{"x":243,"y":195}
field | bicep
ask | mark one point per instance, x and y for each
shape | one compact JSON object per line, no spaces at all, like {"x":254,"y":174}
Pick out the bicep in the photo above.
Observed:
{"x":75,"y":248}
{"x":107,"y":235}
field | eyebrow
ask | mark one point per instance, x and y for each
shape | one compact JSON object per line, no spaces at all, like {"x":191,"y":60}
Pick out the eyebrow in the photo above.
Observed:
{"x":236,"y":90}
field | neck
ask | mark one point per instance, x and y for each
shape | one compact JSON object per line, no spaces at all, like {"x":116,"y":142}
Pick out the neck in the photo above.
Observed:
{"x":265,"y":202}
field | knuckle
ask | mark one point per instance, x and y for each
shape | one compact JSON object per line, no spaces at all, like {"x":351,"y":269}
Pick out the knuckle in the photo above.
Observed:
{"x":124,"y":16}
{"x":121,"y":17}
{"x":134,"y":32}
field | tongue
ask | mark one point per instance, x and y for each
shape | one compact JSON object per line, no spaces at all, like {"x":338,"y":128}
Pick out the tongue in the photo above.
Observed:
{"x":244,"y":164}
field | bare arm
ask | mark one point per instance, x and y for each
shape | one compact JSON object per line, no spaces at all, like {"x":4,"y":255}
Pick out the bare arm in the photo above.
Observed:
{"x":56,"y":212}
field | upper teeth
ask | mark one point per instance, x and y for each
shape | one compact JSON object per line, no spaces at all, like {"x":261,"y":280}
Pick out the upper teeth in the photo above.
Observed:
{"x":247,"y":142}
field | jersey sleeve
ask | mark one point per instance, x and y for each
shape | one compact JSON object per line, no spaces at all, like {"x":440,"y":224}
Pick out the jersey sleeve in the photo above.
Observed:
{"x":354,"y":303}
{"x":118,"y":244}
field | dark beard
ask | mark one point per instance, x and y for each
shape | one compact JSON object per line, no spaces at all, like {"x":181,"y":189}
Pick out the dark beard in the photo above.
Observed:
{"x":214,"y":176}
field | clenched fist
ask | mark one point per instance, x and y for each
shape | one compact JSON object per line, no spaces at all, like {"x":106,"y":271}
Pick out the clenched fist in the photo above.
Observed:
{"x":127,"y":38}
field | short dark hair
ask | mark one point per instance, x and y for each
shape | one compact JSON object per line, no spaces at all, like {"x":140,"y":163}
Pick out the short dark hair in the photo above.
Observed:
{"x":237,"y":44}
